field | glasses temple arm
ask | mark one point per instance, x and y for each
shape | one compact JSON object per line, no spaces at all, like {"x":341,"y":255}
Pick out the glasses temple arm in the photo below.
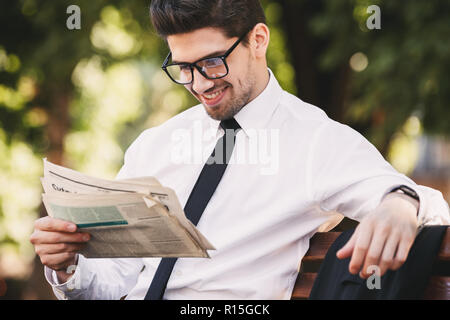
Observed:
{"x":166,"y":60}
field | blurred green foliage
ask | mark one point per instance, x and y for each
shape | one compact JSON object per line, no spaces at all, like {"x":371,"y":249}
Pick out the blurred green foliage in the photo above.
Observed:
{"x":403,"y":66}
{"x":81,"y":96}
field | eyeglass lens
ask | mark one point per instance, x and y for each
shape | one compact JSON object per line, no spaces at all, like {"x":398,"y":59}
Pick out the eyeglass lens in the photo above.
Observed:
{"x":212,"y":68}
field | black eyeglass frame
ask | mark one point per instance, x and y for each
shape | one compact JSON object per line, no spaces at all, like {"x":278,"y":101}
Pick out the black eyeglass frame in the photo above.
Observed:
{"x":194,"y":64}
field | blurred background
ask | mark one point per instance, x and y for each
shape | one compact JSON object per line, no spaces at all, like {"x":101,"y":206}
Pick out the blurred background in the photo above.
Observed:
{"x":80,"y":97}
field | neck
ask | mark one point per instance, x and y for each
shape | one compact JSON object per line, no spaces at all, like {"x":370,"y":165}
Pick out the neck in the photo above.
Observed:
{"x":262,"y":79}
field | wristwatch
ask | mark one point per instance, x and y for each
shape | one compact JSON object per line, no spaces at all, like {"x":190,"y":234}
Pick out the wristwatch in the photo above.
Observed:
{"x":411,"y":193}
{"x":406,"y":190}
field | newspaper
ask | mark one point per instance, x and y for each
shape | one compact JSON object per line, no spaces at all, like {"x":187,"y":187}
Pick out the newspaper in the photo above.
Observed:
{"x":135,"y":217}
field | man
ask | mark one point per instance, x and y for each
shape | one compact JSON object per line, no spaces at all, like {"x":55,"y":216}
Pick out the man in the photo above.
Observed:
{"x":259,"y":219}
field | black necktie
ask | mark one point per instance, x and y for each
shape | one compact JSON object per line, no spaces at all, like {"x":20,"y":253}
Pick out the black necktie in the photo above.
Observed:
{"x":204,"y":188}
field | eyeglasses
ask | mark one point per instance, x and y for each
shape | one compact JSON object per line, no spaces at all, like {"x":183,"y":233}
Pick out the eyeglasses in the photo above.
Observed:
{"x":211,"y":68}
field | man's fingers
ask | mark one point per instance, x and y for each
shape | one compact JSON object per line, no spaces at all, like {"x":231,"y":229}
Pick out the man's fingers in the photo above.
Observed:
{"x":402,"y":252}
{"x":361,"y":246}
{"x":387,"y":258}
{"x":44,"y":249}
{"x":51,"y":224}
{"x":58,"y":261}
{"x":375,"y":249}
{"x":47,"y":237}
{"x":347,"y":249}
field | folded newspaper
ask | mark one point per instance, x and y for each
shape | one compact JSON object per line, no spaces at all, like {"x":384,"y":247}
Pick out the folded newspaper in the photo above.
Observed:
{"x":125,"y":218}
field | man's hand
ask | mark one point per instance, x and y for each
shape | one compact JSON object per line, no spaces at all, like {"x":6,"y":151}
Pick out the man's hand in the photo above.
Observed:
{"x":56,"y":242}
{"x":384,"y":237}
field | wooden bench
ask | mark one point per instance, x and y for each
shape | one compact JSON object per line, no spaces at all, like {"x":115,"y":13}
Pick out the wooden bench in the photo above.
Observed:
{"x":438,"y":287}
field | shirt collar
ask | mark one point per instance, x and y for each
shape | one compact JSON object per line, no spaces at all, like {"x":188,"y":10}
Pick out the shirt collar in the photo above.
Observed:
{"x":257,"y":113}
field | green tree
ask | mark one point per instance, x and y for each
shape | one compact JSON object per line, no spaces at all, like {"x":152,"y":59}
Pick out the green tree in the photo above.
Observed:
{"x":398,"y":70}
{"x":42,"y":102}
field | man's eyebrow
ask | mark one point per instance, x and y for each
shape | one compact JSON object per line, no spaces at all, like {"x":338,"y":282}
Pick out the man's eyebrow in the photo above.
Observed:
{"x":211,"y":55}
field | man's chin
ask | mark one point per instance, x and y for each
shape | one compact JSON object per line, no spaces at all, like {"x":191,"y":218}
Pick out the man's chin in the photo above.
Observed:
{"x":217,"y":113}
{"x":225,"y":109}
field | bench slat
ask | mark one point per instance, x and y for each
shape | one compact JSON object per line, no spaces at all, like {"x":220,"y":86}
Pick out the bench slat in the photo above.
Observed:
{"x":303,"y":285}
{"x":319,"y":245}
{"x":438,"y":289}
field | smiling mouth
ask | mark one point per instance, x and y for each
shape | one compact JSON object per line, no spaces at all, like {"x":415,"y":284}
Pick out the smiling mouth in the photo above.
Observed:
{"x":214,"y":98}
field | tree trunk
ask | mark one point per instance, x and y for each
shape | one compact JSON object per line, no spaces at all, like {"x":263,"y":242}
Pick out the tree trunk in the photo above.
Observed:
{"x":58,"y":126}
{"x":326,"y":90}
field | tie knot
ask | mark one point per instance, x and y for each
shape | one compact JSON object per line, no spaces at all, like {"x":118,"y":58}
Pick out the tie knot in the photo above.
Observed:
{"x":230,"y":124}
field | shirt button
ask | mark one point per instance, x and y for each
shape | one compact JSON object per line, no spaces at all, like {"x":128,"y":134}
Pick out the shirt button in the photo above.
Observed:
{"x":178,"y":273}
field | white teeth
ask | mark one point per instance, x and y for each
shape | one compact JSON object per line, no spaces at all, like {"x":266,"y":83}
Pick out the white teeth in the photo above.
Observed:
{"x":212,"y":96}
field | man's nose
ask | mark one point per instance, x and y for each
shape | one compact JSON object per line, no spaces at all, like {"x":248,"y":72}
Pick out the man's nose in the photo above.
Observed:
{"x":200,"y":83}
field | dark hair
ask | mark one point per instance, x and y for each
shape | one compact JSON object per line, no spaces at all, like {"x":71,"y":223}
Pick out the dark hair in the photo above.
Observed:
{"x":233,"y":17}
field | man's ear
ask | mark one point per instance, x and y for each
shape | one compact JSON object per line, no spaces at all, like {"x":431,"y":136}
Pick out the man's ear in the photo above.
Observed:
{"x":259,"y":40}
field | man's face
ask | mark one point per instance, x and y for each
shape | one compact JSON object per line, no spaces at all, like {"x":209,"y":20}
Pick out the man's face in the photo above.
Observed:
{"x":222,"y":98}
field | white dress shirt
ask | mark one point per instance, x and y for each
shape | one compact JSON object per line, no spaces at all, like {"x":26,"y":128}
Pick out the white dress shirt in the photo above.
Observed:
{"x":294,"y":172}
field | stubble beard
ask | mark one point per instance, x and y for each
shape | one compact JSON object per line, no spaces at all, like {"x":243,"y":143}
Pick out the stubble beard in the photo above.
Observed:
{"x":237,"y":102}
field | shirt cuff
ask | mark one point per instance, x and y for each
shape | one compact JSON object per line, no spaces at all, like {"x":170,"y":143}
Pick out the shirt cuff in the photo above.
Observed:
{"x":70,"y":289}
{"x":434,"y":210}
{"x":424,"y":215}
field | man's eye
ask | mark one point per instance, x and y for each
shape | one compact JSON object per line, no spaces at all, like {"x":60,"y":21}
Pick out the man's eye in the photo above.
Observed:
{"x":184,"y":67}
{"x":212,"y":63}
